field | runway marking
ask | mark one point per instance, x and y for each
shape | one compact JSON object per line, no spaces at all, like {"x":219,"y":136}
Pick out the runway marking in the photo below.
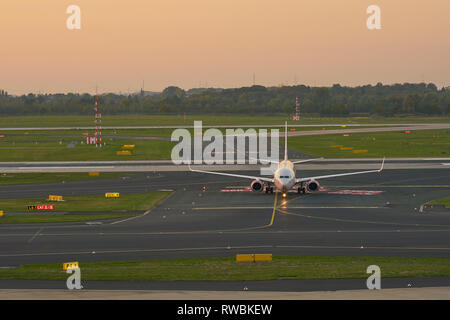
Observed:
{"x":76,"y":167}
{"x":230,"y":208}
{"x":236,"y":190}
{"x":227,"y":230}
{"x":145,"y":213}
{"x":258,"y":227}
{"x":362,"y":221}
{"x":392,"y":186}
{"x":335,"y":207}
{"x":224,"y":248}
{"x":105,"y":234}
{"x":299,"y":196}
{"x":130,"y":251}
{"x":236,"y":230}
{"x":365,"y":248}
{"x":250,"y":190}
{"x":367,"y":186}
{"x":274,"y":210}
{"x":128,"y":219}
{"x":296,"y":207}
{"x":35,"y":235}
{"x":252,"y":228}
{"x":356,"y":192}
{"x":236,"y":187}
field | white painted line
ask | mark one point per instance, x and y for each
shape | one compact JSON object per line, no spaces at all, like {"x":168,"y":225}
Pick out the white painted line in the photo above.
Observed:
{"x":35,"y":235}
{"x":78,"y":167}
{"x":236,"y":190}
{"x":223,"y":248}
{"x":356,"y":192}
{"x":158,"y":233}
{"x":128,"y":219}
{"x":146,"y":212}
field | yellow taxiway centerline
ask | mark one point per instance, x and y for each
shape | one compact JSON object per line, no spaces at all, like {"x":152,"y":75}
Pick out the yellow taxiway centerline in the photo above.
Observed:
{"x":274,"y":210}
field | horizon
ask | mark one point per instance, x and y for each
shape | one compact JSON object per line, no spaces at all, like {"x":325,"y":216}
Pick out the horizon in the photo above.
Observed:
{"x":123,"y":93}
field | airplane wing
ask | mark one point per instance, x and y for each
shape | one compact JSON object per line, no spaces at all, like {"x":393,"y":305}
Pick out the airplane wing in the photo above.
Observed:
{"x":307,"y":160}
{"x":293,"y":162}
{"x":264,"y":160}
{"x":233,"y":175}
{"x":339,"y":174}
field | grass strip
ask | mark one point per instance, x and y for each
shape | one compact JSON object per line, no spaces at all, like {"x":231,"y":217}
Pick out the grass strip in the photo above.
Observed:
{"x":227,"y":269}
{"x":167,"y":120}
{"x":422,"y":143}
{"x":27,"y":178}
{"x":442,"y":201}
{"x":98,"y":203}
{"x":47,"y":218}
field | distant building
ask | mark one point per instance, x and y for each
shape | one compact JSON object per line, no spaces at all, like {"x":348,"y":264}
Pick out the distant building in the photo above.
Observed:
{"x":91,"y":140}
{"x":145,"y":93}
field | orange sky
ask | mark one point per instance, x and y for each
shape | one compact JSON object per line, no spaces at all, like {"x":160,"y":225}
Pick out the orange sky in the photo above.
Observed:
{"x":220,"y":44}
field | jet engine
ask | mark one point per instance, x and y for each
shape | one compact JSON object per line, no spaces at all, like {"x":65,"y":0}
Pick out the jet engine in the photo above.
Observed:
{"x":313,"y":186}
{"x":257,"y":185}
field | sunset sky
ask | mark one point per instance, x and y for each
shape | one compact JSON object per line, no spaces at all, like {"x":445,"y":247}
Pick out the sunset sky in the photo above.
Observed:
{"x":219,"y":43}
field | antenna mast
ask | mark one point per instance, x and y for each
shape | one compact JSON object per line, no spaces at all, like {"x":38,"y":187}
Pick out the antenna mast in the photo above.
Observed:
{"x":296,"y":116}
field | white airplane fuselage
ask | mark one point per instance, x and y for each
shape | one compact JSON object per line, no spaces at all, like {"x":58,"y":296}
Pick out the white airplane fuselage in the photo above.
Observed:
{"x":284,"y":176}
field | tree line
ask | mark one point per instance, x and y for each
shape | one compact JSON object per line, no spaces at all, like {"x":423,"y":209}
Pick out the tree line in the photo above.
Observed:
{"x":337,"y":100}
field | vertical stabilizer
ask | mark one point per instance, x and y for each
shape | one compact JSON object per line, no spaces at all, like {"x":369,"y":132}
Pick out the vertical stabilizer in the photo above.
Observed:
{"x":285,"y":141}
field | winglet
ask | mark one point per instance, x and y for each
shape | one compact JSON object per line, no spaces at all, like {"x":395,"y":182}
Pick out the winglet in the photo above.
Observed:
{"x":382,"y":165}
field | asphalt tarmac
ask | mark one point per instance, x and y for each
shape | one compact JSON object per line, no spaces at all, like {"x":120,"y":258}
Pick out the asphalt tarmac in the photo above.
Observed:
{"x":284,"y":285}
{"x":366,"y":215}
{"x":167,"y":165}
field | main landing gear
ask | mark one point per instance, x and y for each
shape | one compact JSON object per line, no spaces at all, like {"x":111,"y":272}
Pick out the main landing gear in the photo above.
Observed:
{"x":301,"y":189}
{"x":269,"y":189}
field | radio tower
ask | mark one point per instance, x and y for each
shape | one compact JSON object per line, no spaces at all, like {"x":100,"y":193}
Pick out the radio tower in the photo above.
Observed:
{"x":296,"y":116}
{"x":98,"y":125}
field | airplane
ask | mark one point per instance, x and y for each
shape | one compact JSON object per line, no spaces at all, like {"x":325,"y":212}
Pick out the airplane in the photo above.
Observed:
{"x":284,"y":176}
